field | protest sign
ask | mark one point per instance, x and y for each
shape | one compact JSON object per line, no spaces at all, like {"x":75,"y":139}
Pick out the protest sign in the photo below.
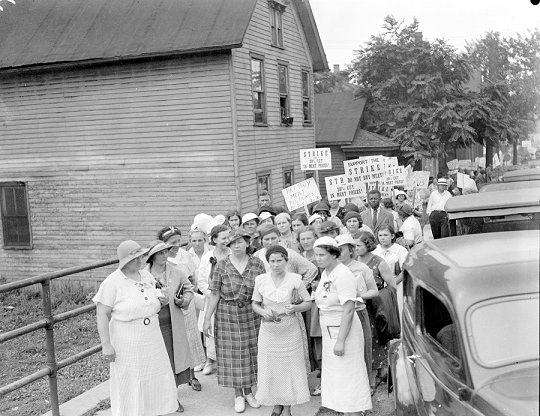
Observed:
{"x":461,"y":177}
{"x":336,"y":187}
{"x":464,"y":164}
{"x":365,"y":169}
{"x":481,"y":162}
{"x":417,"y":180}
{"x":453,"y":164}
{"x":315,"y":159}
{"x":301,"y":194}
{"x":395,"y":176}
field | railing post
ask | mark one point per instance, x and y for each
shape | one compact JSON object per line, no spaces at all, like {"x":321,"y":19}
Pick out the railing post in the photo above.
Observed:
{"x":49,"y":341}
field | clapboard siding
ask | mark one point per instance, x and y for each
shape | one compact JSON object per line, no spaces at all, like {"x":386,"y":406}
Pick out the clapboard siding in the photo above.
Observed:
{"x":114,"y":152}
{"x":338,"y":157}
{"x":271,"y":148}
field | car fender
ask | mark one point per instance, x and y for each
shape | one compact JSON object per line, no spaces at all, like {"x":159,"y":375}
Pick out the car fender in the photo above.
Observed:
{"x":398,"y":381}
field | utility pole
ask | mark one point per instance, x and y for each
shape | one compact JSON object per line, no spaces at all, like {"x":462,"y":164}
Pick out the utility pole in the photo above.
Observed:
{"x":492,"y":75}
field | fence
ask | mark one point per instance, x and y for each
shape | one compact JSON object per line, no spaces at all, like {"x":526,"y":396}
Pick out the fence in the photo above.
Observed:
{"x":48,"y":322}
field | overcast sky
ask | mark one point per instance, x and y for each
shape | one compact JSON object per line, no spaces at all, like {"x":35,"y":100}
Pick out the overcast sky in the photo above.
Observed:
{"x":345,"y":25}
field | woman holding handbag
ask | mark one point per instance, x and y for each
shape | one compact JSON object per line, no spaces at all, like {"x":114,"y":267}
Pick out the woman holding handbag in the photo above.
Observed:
{"x":282,"y":373}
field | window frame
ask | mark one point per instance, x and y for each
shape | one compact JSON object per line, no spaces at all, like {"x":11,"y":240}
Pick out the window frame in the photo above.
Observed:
{"x":264,"y":174}
{"x":263,"y":111}
{"x":284,"y":116}
{"x":277,"y":10}
{"x":3,"y":217}
{"x":286,"y":171}
{"x":306,"y":98}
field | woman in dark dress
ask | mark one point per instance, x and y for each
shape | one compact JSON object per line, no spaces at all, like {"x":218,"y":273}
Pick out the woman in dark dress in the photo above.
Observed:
{"x":236,"y":326}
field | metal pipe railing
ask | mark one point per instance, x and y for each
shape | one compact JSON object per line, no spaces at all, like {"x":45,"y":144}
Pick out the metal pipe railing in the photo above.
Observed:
{"x":47,"y":323}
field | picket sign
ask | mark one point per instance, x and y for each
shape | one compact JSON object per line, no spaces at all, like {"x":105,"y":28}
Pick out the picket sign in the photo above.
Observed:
{"x":465,"y":164}
{"x":336,"y":187}
{"x":418,"y":179}
{"x":481,"y":161}
{"x":453,"y":164}
{"x":301,"y":194}
{"x":315,"y":159}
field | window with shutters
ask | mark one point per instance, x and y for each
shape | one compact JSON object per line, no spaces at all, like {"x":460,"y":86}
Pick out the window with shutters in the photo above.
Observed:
{"x":257,"y":85}
{"x":15,"y":215}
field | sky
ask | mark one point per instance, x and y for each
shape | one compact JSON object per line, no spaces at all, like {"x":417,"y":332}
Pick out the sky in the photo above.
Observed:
{"x":346,"y":25}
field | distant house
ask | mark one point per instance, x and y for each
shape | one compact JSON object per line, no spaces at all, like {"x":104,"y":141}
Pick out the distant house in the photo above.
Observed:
{"x":339,"y":127}
{"x":120,"y":117}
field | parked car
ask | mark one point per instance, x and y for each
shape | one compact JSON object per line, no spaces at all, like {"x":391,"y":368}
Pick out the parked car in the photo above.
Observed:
{"x":506,"y":186}
{"x":531,"y":174}
{"x":487,"y":212}
{"x":470,"y":328}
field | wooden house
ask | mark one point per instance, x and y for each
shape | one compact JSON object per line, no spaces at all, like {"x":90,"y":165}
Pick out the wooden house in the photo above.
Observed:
{"x":339,"y":127}
{"x":120,"y":117}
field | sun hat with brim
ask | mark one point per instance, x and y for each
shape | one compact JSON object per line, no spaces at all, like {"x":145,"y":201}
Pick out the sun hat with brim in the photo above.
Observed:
{"x":155,"y":247}
{"x":325,"y":241}
{"x":352,"y":214}
{"x":442,"y":181}
{"x":314,"y":217}
{"x":237,"y":234}
{"x":404,"y":209}
{"x":398,"y":193}
{"x":129,"y":250}
{"x":249,"y":216}
{"x":328,"y":226}
{"x":282,"y":216}
{"x":345,"y":239}
{"x":265,"y":215}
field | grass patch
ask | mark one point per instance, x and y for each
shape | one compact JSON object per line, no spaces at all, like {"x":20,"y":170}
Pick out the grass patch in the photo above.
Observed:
{"x":24,"y":355}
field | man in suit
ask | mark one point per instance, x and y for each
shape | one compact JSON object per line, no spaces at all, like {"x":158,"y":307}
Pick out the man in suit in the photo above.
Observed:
{"x":376,"y":216}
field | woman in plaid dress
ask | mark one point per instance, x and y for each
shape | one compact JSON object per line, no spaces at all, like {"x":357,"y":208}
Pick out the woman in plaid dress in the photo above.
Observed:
{"x":236,"y":326}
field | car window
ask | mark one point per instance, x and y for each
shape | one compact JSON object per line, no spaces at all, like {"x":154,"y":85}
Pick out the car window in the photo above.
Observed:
{"x":437,"y":323}
{"x":495,"y":224}
{"x":504,"y":331}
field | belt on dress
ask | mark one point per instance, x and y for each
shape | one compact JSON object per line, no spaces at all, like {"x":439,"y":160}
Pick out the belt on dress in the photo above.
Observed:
{"x":239,"y":303}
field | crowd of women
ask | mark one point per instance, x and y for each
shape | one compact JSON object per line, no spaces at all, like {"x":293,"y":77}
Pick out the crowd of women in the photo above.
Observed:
{"x":263,"y":299}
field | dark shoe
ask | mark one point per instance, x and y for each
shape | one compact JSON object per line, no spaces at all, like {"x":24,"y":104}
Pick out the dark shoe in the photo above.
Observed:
{"x":195,"y":384}
{"x":180,"y":408}
{"x":274,"y":413}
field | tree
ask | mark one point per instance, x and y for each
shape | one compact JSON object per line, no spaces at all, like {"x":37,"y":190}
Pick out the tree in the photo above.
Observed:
{"x":328,"y":81}
{"x":511,"y":66}
{"x":417,"y":93}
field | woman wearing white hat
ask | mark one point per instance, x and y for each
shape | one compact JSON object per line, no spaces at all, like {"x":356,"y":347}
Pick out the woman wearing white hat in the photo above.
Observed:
{"x":128,"y":302}
{"x":250,"y":222}
{"x":344,"y":379}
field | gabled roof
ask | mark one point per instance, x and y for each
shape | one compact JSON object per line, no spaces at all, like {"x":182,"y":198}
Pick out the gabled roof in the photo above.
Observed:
{"x":337,"y":117}
{"x":44,"y":32}
{"x":371,"y":141}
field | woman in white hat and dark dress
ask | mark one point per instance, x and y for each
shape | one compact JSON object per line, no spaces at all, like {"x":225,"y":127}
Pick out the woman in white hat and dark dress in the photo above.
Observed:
{"x":128,"y":303}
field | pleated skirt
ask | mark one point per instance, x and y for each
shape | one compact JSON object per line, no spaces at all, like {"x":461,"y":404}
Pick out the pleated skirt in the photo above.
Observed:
{"x":142,"y":381}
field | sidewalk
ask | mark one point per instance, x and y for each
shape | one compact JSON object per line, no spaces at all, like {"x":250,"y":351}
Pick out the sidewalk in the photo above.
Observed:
{"x":214,"y":400}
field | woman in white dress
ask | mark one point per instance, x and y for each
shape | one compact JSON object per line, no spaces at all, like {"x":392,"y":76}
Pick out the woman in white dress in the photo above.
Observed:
{"x":141,"y":379}
{"x":345,"y":384}
{"x":282,"y":374}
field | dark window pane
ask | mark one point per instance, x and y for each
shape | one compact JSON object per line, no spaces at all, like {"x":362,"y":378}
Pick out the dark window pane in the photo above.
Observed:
{"x":305,"y":84}
{"x":9,"y":202}
{"x":282,"y":79}
{"x":14,"y":213}
{"x":257,"y":100}
{"x":20,"y":201}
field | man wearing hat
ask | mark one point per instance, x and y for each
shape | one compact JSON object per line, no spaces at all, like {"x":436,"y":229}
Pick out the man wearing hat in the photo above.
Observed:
{"x":438,"y":219}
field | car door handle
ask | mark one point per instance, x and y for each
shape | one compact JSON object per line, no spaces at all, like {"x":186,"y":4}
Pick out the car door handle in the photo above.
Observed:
{"x":412,"y":358}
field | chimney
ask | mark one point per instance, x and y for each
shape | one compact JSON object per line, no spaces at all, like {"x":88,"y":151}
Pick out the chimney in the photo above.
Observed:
{"x":336,"y":67}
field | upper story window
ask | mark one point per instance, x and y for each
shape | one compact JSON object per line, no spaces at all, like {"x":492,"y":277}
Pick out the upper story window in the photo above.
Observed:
{"x":284,"y":99}
{"x":14,"y":212}
{"x":257,"y":85}
{"x":276,"y":22}
{"x":306,"y":96}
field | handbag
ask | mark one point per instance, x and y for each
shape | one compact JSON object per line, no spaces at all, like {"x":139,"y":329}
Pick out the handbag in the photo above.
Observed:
{"x":296,"y":299}
{"x":387,"y":321}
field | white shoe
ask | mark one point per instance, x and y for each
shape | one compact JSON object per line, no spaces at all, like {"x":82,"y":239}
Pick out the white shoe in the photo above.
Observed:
{"x":199,"y":367}
{"x":239,"y":405}
{"x":208,"y":369}
{"x":252,"y":401}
